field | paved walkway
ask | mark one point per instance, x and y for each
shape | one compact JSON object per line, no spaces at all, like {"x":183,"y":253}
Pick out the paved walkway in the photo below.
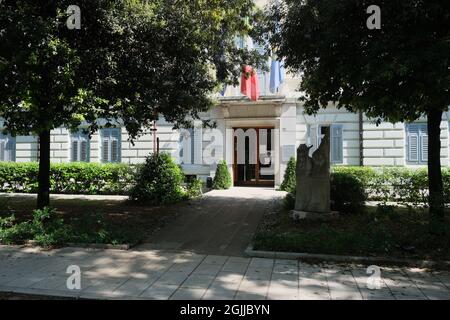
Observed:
{"x":222,"y":222}
{"x":111,"y":274}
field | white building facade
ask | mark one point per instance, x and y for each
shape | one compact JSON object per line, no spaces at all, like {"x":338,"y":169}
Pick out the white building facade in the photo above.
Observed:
{"x":255,"y":138}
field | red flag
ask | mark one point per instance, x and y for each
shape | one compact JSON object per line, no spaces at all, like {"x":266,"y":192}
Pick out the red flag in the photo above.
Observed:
{"x":249,"y":83}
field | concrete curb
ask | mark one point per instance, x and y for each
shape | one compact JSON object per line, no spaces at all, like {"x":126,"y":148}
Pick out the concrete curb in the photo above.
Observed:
{"x":75,"y":294}
{"x":124,"y":247}
{"x":345,"y":259}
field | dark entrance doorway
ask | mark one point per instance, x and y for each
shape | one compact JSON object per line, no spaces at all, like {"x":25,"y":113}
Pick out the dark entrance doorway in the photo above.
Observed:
{"x":254,"y":157}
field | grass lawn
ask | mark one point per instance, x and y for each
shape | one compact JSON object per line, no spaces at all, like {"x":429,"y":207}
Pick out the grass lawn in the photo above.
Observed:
{"x":98,"y":221}
{"x":401,"y":234}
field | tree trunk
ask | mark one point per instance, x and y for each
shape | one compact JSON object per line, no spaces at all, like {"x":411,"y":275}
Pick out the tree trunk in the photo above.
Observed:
{"x":43,"y":199}
{"x":436,"y":197}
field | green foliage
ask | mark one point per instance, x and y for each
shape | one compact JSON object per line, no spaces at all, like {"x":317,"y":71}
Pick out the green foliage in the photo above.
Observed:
{"x":119,"y":65}
{"x":376,"y":78}
{"x":364,"y":70}
{"x":289,"y":201}
{"x":347,"y":193}
{"x":158,"y":181}
{"x":53,"y":76}
{"x":68,"y":178}
{"x":289,"y":180}
{"x":47,"y":229}
{"x":352,"y":186}
{"x":380,"y":232}
{"x":222,"y":179}
{"x":194,"y":188}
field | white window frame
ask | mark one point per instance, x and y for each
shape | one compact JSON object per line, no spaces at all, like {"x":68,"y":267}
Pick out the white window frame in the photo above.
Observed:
{"x":316,"y":136}
{"x":106,"y":135}
{"x":8,"y":148}
{"x":79,"y":137}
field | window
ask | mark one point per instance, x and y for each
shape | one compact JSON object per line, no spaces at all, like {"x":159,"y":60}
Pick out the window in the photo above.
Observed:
{"x":110,"y":144}
{"x":80,"y":147}
{"x":191,"y":146}
{"x":7,"y":147}
{"x":417,"y":143}
{"x":336,"y":141}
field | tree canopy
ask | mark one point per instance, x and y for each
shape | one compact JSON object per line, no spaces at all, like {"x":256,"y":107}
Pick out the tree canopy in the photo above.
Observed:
{"x":131,"y":60}
{"x":400,"y":72}
{"x":396,"y":73}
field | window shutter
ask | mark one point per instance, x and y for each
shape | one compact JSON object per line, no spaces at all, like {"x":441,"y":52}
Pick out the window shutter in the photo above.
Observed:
{"x":105,"y":149}
{"x":2,"y":149}
{"x":423,"y":143}
{"x":198,"y":145}
{"x":84,"y":151}
{"x":336,"y":144}
{"x":413,"y":143}
{"x":115,"y":145}
{"x":114,"y":151}
{"x":74,"y":150}
{"x":11,"y":148}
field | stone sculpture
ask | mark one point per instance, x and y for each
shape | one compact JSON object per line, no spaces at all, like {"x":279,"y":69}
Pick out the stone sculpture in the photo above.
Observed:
{"x":313,"y":180}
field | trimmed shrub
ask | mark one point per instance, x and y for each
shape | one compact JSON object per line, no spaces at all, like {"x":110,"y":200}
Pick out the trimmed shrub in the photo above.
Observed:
{"x":68,"y":178}
{"x":289,"y":180}
{"x":347,"y":193}
{"x":194,"y":188}
{"x":222,"y":179}
{"x":158,"y":181}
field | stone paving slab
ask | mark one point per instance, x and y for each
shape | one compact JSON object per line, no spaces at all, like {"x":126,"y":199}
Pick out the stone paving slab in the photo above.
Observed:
{"x":156,"y":274}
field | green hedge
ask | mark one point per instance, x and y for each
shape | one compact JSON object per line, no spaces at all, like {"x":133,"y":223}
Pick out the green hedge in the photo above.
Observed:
{"x":68,"y":178}
{"x":352,"y":186}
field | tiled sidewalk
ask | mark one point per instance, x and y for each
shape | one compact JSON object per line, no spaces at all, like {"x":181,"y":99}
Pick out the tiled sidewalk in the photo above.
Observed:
{"x":109,"y":274}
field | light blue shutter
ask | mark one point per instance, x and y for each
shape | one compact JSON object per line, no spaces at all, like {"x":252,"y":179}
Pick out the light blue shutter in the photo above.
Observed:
{"x":336,"y":144}
{"x":7,"y":147}
{"x":413,"y":142}
{"x":423,"y":143}
{"x":105,"y":145}
{"x":115,"y":145}
{"x":2,"y":148}
{"x":11,"y":148}
{"x":84,"y":149}
{"x":74,"y":149}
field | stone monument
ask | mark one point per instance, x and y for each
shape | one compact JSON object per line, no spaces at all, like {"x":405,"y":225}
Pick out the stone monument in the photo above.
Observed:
{"x":312,"y":199}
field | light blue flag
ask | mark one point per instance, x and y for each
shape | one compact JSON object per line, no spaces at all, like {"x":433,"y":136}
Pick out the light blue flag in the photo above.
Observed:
{"x":224,"y":89}
{"x":277,"y":75}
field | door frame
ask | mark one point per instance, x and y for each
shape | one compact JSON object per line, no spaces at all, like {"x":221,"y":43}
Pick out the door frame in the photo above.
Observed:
{"x":258,"y":182}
